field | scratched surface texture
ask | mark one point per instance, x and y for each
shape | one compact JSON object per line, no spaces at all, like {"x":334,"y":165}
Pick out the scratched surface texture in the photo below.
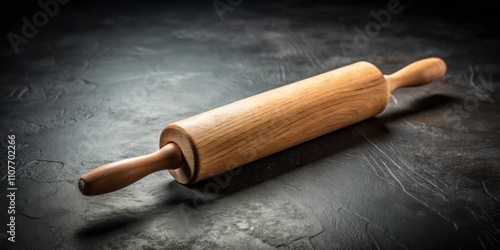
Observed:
{"x":99,"y":82}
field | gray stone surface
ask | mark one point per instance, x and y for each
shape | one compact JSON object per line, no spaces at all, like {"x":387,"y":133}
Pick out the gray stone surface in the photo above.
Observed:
{"x":99,"y":82}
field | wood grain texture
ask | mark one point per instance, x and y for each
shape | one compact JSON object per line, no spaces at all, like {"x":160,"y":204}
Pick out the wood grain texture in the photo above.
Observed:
{"x":238,"y":133}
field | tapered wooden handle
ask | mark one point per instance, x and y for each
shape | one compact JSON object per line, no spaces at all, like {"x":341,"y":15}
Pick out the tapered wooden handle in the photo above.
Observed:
{"x":199,"y":147}
{"x":418,"y":73}
{"x":117,"y":175}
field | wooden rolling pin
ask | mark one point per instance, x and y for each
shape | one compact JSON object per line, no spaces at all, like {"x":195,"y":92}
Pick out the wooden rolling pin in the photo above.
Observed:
{"x":221,"y":139}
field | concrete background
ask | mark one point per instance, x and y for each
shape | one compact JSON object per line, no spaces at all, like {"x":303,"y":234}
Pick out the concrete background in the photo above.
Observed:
{"x":98,"y":82}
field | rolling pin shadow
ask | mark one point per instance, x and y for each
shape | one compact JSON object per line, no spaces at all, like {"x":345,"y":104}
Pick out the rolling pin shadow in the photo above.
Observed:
{"x":316,"y":149}
{"x":224,"y":138}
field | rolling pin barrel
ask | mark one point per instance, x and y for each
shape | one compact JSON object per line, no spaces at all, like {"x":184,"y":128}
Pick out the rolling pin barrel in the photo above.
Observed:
{"x":243,"y":131}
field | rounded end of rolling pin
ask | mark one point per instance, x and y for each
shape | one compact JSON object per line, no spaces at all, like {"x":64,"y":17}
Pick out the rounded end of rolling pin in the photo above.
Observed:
{"x":81,"y":186}
{"x":173,"y":133}
{"x":117,"y":175}
{"x":418,"y":73}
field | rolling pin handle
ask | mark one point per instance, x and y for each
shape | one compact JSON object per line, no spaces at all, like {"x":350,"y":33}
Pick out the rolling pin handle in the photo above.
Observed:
{"x":119,"y":174}
{"x":418,"y":73}
{"x":331,"y":109}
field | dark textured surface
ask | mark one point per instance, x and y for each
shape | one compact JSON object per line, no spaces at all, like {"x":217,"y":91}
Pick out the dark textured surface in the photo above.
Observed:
{"x":99,"y":82}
